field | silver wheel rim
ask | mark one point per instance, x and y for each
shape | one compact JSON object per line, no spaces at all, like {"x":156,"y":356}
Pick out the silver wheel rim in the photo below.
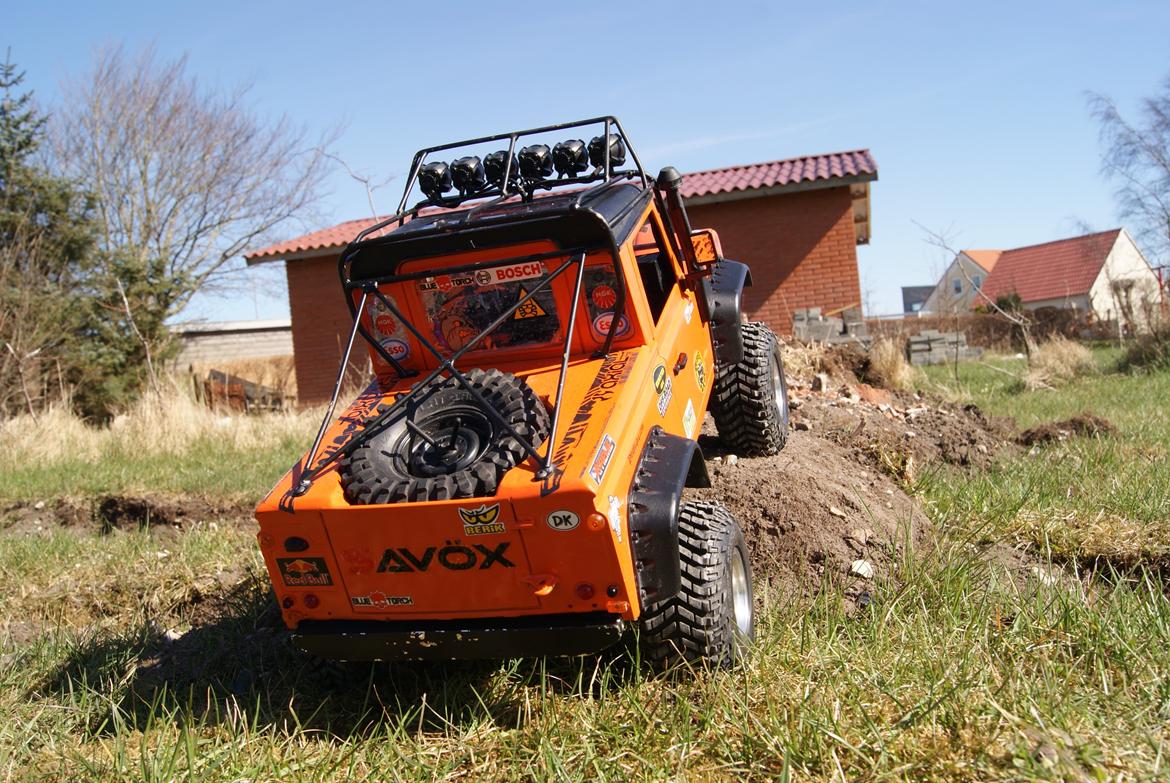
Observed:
{"x":741,"y":597}
{"x":778,"y":386}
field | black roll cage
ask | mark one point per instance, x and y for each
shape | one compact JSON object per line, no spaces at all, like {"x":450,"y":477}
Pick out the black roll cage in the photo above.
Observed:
{"x":604,"y":180}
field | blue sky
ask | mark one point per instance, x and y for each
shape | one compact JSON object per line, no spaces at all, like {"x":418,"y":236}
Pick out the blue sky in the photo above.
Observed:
{"x":975,"y":113}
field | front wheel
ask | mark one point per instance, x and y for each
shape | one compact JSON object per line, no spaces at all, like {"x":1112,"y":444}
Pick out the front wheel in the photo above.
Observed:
{"x":711,"y":620}
{"x":750,"y":398}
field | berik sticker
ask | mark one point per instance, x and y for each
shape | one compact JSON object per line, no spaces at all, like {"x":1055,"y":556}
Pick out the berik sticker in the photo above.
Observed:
{"x":601,"y":459}
{"x":700,"y":370}
{"x":452,"y":557}
{"x":563,"y":520}
{"x":481,"y":521}
{"x":304,"y":572}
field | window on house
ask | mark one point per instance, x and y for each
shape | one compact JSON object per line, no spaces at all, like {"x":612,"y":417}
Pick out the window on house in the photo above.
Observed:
{"x":957,"y":286}
{"x":977,"y":281}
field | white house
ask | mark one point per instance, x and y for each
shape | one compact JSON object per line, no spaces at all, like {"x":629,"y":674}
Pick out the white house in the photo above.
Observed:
{"x":956,"y":290}
{"x":1103,"y":275}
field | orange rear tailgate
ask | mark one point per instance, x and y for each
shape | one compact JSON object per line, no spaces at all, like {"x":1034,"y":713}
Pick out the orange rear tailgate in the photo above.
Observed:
{"x":439,"y":557}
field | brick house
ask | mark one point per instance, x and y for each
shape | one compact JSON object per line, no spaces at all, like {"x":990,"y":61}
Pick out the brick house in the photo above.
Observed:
{"x":796,"y":223}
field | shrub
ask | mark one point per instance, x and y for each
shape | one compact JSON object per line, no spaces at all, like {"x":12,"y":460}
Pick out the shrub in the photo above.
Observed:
{"x":1148,"y":351}
{"x":1058,"y":361}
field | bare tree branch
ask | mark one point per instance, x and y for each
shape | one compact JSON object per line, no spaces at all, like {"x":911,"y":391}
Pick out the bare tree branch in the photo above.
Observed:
{"x":186,"y":177}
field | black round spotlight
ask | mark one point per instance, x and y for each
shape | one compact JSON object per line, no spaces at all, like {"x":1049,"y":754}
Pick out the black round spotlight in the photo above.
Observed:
{"x":468,"y":175}
{"x":617,"y":151}
{"x":435,"y":179}
{"x":494,"y":165}
{"x":536,"y":162}
{"x":570,"y":157}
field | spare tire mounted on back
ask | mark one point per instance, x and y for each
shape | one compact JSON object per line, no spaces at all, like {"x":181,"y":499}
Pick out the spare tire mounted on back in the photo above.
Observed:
{"x":445,"y":445}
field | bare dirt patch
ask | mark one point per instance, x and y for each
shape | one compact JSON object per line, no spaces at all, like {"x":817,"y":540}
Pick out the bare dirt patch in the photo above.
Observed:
{"x":812,"y":512}
{"x":1085,"y":425}
{"x":109,"y":512}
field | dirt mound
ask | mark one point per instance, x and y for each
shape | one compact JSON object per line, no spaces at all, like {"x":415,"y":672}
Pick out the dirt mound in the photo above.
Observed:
{"x":898,"y":432}
{"x":1084,"y":425}
{"x":812,"y":512}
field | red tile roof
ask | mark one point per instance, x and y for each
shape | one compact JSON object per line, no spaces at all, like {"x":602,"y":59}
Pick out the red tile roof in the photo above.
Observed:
{"x":775,"y":174}
{"x":780,"y":173}
{"x":1053,"y":270}
{"x":985,"y":258}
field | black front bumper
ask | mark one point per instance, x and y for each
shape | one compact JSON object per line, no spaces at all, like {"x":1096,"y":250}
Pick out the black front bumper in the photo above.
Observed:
{"x":505,"y":637}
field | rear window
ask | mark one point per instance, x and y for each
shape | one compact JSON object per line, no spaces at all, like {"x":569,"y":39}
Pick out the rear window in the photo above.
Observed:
{"x":458,"y":307}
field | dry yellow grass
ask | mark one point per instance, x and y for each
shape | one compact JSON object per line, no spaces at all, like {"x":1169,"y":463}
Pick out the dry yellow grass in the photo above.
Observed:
{"x":1058,"y":361}
{"x":888,"y":364}
{"x":802,"y":361}
{"x":167,"y":423}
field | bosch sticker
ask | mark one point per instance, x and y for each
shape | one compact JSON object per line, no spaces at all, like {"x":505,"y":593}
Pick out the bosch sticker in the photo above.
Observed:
{"x":563,"y":520}
{"x":601,"y":459}
{"x":304,"y":572}
{"x":510,"y":274}
{"x":481,"y":521}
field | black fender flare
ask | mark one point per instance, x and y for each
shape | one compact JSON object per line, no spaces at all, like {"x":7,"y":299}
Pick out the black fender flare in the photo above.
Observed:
{"x":720,"y":305}
{"x":668,"y":463}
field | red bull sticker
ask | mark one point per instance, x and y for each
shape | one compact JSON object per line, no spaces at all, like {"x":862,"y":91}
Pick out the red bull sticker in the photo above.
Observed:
{"x":304,"y":572}
{"x":601,"y":459}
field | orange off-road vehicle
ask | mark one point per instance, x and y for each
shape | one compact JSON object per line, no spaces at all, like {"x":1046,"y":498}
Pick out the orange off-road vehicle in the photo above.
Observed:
{"x":545,"y":347}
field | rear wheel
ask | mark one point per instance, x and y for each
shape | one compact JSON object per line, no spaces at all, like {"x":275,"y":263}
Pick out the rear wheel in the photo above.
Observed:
{"x":447,"y":445}
{"x":712,"y":618}
{"x":750,"y":398}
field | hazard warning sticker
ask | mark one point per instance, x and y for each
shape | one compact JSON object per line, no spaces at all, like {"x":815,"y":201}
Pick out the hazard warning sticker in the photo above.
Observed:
{"x":530,"y":309}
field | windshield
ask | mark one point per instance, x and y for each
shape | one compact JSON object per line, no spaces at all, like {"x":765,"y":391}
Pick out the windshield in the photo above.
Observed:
{"x":459,"y":307}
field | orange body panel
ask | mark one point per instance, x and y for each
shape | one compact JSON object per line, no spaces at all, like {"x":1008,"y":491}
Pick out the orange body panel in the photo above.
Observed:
{"x":527,"y":549}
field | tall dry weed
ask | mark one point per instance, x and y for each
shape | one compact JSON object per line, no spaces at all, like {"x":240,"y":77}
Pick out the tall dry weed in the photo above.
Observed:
{"x":169,"y":422}
{"x":1058,"y":361}
{"x":888,"y":365}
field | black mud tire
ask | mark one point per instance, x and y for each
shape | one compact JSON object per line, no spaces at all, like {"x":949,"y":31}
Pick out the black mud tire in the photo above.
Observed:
{"x":711,"y":621}
{"x":750,"y":399}
{"x":397,"y":465}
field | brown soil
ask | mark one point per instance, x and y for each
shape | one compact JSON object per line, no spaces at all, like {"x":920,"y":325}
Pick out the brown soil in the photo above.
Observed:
{"x":1084,"y":425}
{"x":109,"y":512}
{"x":810,"y":512}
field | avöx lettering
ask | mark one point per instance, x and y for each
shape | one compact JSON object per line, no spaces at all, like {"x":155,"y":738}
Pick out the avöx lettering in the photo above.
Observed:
{"x":453,"y":557}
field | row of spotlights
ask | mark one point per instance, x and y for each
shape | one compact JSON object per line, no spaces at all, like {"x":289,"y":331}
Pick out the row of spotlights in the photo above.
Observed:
{"x":535,"y":162}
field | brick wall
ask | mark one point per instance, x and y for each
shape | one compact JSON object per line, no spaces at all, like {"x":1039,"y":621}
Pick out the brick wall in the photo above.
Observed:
{"x":800,"y":247}
{"x":320,"y":326}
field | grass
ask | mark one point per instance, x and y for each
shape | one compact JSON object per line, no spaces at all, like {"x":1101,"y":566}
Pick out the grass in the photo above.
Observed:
{"x":1080,"y":500}
{"x":164,"y":444}
{"x":144,"y":656}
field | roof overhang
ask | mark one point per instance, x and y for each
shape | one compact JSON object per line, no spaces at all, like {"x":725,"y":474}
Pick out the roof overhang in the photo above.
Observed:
{"x":858,"y":185}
